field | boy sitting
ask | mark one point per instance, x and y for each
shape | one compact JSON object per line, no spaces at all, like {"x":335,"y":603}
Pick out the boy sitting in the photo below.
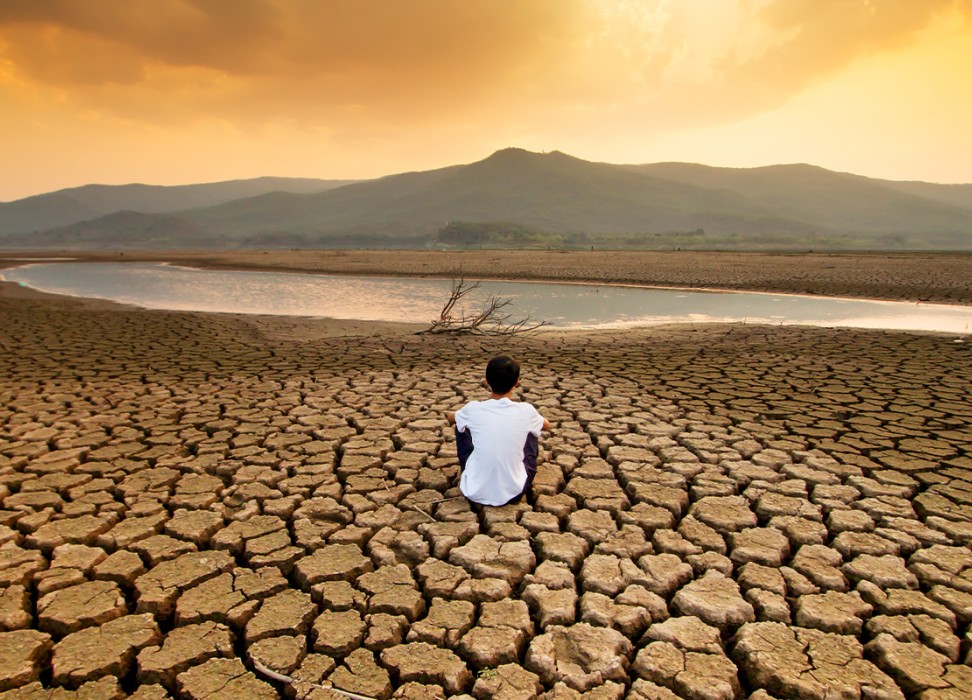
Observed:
{"x":497,"y":439}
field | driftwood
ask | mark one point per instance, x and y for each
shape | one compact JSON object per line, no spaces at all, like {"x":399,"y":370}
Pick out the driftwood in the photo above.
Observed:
{"x":491,"y":320}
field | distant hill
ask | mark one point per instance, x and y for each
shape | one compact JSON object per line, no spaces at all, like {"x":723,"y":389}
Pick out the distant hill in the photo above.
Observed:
{"x":78,"y":204}
{"x":125,"y":229}
{"x":835,"y":201}
{"x":959,"y":195}
{"x":552,"y":192}
{"x":516,"y":198}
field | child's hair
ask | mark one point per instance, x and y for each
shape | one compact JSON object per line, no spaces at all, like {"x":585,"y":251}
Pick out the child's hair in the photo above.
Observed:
{"x":502,"y":373}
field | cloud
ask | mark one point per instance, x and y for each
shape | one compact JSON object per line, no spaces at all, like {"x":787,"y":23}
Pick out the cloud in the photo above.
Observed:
{"x":373,"y":60}
{"x":427,"y":78}
{"x":229,"y":36}
{"x":288,"y":40}
{"x":823,"y":36}
{"x":698,"y":62}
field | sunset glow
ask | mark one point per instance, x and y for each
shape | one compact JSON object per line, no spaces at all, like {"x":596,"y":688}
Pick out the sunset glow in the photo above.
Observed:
{"x":179,"y":91}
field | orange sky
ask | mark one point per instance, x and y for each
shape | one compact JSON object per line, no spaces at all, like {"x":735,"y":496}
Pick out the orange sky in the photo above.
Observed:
{"x":177,"y":91}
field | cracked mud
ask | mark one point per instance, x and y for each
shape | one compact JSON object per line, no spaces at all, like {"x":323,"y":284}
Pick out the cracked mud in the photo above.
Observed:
{"x":719,"y":512}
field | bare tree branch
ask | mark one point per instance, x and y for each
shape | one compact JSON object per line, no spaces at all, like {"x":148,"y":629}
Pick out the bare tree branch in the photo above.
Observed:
{"x":490,"y":320}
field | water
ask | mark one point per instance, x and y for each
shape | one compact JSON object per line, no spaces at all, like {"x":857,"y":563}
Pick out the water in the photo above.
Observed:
{"x":157,"y":286}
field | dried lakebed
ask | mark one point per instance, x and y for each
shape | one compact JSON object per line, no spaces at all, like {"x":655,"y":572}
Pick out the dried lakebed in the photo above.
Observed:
{"x":720,"y":512}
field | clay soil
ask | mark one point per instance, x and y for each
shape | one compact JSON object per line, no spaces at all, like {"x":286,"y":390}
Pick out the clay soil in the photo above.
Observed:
{"x":721,"y":511}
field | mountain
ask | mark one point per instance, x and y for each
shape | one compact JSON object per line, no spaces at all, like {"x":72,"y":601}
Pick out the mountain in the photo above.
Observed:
{"x":128,"y":229}
{"x":78,"y":204}
{"x":959,"y":195}
{"x":516,"y":198}
{"x":42,"y":212}
{"x":552,"y":192}
{"x":836,"y":201}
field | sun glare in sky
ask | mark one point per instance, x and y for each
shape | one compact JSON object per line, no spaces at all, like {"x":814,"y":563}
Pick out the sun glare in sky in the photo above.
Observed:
{"x":179,"y":91}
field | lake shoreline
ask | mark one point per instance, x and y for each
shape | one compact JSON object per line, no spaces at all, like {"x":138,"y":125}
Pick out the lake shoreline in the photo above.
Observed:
{"x":922,"y":277}
{"x":570,"y":305}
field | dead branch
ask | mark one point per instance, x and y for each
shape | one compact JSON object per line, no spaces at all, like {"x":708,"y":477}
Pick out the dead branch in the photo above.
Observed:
{"x":282,"y":678}
{"x":490,"y":320}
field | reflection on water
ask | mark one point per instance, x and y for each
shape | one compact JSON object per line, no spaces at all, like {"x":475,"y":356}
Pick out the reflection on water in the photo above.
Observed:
{"x":157,"y":286}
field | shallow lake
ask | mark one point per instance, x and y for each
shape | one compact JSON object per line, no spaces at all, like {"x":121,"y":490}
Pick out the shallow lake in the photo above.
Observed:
{"x":159,"y":286}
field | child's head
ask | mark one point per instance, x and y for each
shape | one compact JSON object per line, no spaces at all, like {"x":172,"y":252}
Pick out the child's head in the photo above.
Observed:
{"x":502,"y":374}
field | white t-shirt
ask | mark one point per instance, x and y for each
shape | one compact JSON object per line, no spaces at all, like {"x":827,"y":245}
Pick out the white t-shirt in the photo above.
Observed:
{"x":495,"y":472}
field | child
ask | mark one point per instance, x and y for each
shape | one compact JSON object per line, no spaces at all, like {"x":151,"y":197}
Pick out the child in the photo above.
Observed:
{"x":497,"y":439}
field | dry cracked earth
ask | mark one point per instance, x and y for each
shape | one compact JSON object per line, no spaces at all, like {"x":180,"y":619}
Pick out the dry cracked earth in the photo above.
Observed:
{"x":188,"y":502}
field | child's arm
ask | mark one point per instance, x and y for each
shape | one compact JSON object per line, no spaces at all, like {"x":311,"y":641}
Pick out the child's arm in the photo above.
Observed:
{"x":546,"y":424}
{"x":451,"y":417}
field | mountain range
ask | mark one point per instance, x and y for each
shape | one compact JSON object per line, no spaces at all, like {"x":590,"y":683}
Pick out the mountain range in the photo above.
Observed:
{"x":513,"y":198}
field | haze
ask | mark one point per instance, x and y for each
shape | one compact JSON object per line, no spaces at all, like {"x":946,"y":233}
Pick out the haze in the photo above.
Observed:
{"x":178,"y":91}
